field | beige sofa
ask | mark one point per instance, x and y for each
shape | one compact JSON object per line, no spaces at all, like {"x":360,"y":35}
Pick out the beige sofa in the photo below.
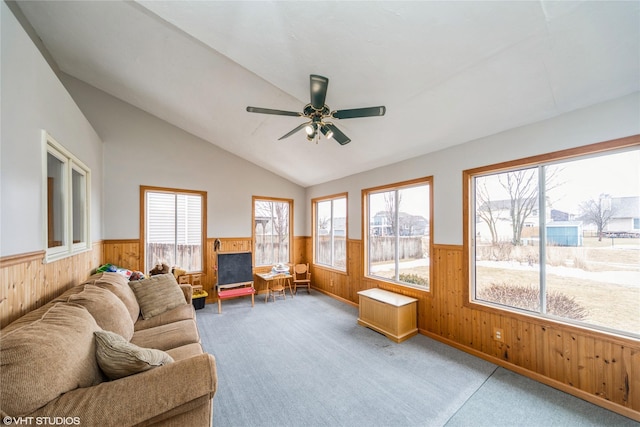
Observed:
{"x":50,"y":366}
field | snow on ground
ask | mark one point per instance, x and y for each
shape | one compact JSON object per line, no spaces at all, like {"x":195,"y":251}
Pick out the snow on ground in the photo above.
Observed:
{"x":624,"y":278}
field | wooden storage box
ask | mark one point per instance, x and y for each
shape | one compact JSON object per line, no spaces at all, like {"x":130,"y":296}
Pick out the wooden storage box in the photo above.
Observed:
{"x":391,"y":314}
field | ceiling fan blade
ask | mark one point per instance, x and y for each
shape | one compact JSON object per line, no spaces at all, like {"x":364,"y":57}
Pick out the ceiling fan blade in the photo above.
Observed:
{"x":359,"y":112}
{"x":318,"y":85}
{"x":340,"y":137}
{"x":302,"y":126}
{"x":270,"y":111}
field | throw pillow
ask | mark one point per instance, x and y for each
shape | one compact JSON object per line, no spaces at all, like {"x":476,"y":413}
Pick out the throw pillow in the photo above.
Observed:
{"x":119,"y":358}
{"x":157,"y":294}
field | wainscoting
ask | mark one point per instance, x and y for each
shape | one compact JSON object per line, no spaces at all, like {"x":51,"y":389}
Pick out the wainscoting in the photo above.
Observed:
{"x":27,"y":283}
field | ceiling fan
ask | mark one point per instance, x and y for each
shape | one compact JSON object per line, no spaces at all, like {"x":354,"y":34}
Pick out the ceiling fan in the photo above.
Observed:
{"x":318,"y":112}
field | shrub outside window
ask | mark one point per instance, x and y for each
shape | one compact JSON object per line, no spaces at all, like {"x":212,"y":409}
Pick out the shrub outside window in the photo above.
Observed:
{"x":66,"y":192}
{"x":398,"y":221}
{"x":272,"y":230}
{"x":330,"y":231}
{"x":584,"y":266}
{"x":174,"y":228}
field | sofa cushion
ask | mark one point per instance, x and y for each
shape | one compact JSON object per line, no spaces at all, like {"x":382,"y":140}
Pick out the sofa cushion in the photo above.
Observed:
{"x":106,"y":308}
{"x":168,"y":336}
{"x":185,"y":351}
{"x":47,"y":358}
{"x":182,"y":312}
{"x":119,"y":358}
{"x":119,"y":285}
{"x":157,"y":294}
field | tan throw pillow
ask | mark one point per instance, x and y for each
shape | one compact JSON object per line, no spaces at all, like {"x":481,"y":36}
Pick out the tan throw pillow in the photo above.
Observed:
{"x":119,"y":358}
{"x":106,"y":308}
{"x":157,"y":294}
{"x":46,"y":358}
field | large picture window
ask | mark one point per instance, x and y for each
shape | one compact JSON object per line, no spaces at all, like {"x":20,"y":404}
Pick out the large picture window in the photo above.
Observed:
{"x":398,"y":221}
{"x":67,"y":198}
{"x":330,"y":231}
{"x":174,"y":228}
{"x":272,"y":230}
{"x":559,"y":238}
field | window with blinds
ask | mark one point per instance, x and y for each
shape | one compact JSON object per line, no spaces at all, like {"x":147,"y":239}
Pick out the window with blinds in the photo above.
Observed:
{"x":174,"y":228}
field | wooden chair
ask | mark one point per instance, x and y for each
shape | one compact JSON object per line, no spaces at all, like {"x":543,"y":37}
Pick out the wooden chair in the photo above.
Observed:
{"x":276,"y":286}
{"x":301,"y":277}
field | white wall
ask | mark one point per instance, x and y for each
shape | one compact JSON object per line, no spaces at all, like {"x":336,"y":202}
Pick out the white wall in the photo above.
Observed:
{"x":610,"y":120}
{"x":141,"y":149}
{"x":32,"y":99}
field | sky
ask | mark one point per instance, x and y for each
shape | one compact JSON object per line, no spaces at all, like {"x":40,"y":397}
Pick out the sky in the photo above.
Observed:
{"x":584,"y":179}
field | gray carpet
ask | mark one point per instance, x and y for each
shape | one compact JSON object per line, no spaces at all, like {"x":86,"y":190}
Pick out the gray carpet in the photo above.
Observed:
{"x":305,"y":362}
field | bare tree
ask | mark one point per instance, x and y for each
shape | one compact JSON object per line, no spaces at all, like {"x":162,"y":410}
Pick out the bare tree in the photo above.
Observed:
{"x":522,"y":186}
{"x":598,"y":211}
{"x":323,"y":223}
{"x":390,"y":209}
{"x":281,"y":228}
{"x":484,"y":209}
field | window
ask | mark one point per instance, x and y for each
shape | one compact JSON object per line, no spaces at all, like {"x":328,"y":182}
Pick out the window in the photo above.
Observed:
{"x":67,"y":195}
{"x":559,"y":238}
{"x":398,"y":221}
{"x":330,"y":231}
{"x":272,"y":230}
{"x":174,"y":228}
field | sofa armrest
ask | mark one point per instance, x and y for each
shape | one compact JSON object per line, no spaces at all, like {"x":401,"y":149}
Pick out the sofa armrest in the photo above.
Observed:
{"x":137,"y":398}
{"x":187,"y":290}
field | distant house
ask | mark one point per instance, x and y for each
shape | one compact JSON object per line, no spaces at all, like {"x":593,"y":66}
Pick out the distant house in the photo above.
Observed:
{"x":339,"y":227}
{"x":410,"y":225}
{"x":625,"y":217}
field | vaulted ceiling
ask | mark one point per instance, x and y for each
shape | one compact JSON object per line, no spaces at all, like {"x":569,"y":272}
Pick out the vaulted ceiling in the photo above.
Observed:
{"x":448,"y":72}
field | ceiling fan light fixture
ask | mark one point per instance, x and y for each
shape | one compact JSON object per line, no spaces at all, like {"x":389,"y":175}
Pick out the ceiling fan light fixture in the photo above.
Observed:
{"x":310,"y":129}
{"x":328,"y":133}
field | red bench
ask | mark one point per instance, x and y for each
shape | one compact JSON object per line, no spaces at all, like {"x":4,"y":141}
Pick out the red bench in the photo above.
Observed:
{"x":235,"y":293}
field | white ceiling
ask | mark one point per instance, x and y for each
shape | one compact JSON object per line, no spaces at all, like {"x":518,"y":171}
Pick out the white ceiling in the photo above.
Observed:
{"x":448,"y":72}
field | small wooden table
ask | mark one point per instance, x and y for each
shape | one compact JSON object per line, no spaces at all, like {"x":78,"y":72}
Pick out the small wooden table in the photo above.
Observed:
{"x":393,"y":315}
{"x":267,"y":277}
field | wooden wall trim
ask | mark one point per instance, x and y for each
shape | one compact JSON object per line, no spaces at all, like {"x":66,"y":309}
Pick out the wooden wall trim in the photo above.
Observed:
{"x":120,"y":241}
{"x":8,"y":261}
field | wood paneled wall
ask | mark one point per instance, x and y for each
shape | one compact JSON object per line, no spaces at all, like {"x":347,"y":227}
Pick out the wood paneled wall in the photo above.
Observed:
{"x":596,"y":367}
{"x":26,"y":283}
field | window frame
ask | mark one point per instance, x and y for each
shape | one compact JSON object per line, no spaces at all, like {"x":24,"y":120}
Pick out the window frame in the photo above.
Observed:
{"x":314,"y":210}
{"x":427,"y":180}
{"x":70,"y":163}
{"x":547,"y":159}
{"x":143,"y":214}
{"x":254,"y":199}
